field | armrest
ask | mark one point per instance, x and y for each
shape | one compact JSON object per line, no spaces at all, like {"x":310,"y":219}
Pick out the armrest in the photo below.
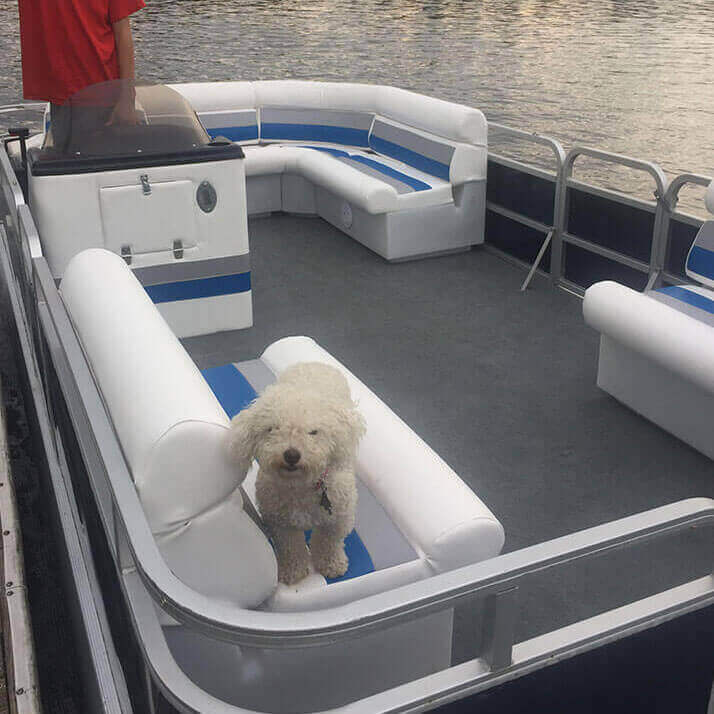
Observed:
{"x":670,"y":338}
{"x":443,"y":520}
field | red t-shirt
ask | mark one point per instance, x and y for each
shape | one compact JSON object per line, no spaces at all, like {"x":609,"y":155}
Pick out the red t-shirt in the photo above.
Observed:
{"x":69,"y":44}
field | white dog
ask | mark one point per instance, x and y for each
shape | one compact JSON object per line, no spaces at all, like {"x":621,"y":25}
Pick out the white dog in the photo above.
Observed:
{"x":304,"y":431}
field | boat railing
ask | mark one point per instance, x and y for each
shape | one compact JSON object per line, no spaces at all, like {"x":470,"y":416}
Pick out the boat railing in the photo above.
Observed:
{"x":678,"y":229}
{"x":58,"y":359}
{"x":493,"y":583}
{"x":565,"y":235}
{"x":548,"y":229}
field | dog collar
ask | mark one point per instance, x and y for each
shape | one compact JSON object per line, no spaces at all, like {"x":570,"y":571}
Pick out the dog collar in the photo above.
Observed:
{"x":320,"y":483}
{"x":320,"y":486}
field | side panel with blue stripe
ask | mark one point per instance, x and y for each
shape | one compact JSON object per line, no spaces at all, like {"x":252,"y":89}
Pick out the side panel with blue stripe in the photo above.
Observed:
{"x":238,"y":125}
{"x":191,"y":280}
{"x":428,"y":155}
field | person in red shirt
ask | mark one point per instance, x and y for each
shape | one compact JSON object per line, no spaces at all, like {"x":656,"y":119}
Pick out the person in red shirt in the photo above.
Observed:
{"x":68,"y":45}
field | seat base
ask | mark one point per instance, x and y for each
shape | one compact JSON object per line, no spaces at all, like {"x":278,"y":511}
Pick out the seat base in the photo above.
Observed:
{"x":657,"y":393}
{"x":408,"y":234}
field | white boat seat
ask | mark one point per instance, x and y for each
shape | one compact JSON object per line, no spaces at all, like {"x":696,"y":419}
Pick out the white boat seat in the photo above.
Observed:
{"x":657,"y":348}
{"x":394,"y":167}
{"x":172,"y":430}
{"x":692,"y":300}
{"x":374,"y":183}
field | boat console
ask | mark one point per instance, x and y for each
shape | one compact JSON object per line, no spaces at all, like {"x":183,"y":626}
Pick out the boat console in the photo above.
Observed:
{"x":159,"y":192}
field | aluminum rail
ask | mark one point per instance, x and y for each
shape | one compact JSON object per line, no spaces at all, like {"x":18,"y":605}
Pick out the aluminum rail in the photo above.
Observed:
{"x":562,"y":235}
{"x":559,"y":153}
{"x":671,"y":197}
{"x":543,"y":139}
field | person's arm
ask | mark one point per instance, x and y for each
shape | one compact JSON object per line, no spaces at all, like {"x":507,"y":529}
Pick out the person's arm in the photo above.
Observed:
{"x":125,"y":112}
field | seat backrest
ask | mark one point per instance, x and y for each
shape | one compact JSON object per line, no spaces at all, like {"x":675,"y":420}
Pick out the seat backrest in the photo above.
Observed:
{"x":172,"y":431}
{"x":700,"y":260}
{"x":292,"y":110}
{"x":225,"y":108}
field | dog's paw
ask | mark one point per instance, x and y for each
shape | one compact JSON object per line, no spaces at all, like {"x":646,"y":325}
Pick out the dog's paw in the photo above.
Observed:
{"x":291,"y":573}
{"x":331,"y":564}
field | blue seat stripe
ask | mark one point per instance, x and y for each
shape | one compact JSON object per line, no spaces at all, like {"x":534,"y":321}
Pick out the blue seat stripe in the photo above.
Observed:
{"x":691,"y":298}
{"x":200,"y":288}
{"x":231,"y":388}
{"x":360,"y":561}
{"x":415,"y":183}
{"x":418,"y":161}
{"x":314,"y":132}
{"x":701,"y":261}
{"x":235,"y":133}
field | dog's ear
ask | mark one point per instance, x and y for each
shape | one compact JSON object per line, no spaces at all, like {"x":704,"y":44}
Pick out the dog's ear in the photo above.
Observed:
{"x":357,"y":422}
{"x":351,"y":427}
{"x":243,"y":437}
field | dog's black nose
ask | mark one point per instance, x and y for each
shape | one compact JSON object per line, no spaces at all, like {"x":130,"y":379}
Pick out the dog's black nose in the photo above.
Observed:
{"x":291,"y":456}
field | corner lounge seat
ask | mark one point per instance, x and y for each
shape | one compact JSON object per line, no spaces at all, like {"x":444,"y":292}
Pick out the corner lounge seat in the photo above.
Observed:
{"x":416,"y":517}
{"x":400,"y":172}
{"x":657,"y":348}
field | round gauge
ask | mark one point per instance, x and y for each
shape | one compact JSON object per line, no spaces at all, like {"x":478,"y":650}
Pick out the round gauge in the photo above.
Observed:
{"x":346,"y":214}
{"x":206,"y":197}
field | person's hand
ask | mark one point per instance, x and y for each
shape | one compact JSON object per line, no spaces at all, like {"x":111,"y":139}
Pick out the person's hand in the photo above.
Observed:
{"x":124,"y":111}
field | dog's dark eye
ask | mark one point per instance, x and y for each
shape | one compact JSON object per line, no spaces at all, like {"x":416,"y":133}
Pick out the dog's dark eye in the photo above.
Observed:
{"x":313,"y":432}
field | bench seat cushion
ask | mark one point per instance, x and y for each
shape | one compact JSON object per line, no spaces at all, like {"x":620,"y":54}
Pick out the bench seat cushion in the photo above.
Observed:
{"x":374,"y":183}
{"x":692,"y":300}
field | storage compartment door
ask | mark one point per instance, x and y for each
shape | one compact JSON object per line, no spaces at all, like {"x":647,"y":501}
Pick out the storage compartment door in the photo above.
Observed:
{"x":149,"y":222}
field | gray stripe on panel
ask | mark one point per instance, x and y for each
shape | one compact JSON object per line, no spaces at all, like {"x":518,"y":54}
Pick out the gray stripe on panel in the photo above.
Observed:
{"x":681,"y":306}
{"x":221,"y":120}
{"x":180,"y":270}
{"x":322,"y":117}
{"x":258,"y":374}
{"x":430,"y":148}
{"x":398,"y":185}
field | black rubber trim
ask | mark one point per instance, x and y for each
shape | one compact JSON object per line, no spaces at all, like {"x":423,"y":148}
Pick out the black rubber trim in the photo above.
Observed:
{"x":94,"y":164}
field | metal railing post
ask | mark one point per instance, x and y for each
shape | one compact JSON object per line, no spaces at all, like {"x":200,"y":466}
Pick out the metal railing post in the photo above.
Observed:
{"x":565,"y":237}
{"x":669,"y":209}
{"x":561,"y":222}
{"x":552,"y":237}
{"x":500,"y":611}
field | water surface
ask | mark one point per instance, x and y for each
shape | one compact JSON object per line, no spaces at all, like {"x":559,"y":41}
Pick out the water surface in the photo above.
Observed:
{"x":630,"y":76}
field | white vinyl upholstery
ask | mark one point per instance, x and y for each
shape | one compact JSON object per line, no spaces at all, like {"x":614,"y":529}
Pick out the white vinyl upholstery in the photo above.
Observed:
{"x":364,"y":189}
{"x":657,"y":354}
{"x":385,"y":151}
{"x":443,"y":520}
{"x":172,"y":432}
{"x":669,"y":337}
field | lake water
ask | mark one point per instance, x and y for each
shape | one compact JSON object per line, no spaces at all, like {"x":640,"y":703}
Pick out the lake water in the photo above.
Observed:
{"x":629,"y":76}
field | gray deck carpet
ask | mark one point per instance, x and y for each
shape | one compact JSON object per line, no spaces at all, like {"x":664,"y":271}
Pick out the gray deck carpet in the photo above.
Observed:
{"x":501,"y":384}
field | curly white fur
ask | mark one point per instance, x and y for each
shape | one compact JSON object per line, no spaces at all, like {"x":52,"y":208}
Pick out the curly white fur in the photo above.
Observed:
{"x":304,"y":431}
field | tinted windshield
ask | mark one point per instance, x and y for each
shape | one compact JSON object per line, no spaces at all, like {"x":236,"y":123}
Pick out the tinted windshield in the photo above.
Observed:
{"x":123,"y":118}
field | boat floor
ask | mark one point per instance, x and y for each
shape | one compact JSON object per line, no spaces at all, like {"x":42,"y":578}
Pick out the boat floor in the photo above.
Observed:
{"x":501,"y":384}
